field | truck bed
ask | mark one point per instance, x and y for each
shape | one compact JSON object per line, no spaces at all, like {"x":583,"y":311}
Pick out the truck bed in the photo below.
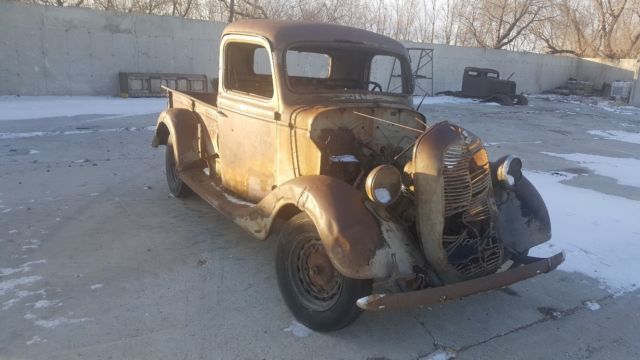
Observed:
{"x":195,"y":101}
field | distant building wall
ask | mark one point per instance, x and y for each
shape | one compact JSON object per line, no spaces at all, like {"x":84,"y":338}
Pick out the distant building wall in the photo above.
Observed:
{"x":74,"y":51}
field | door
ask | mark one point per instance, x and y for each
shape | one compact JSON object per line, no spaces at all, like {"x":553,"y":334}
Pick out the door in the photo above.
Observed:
{"x":247,"y":108}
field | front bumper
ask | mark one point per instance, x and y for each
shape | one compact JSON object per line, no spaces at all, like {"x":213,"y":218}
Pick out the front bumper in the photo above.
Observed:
{"x":411,"y":299}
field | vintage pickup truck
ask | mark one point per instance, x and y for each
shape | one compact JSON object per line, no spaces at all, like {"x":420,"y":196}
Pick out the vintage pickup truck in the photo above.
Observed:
{"x":300,"y":142}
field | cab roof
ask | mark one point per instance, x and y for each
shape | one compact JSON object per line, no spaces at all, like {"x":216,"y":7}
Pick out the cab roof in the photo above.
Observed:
{"x":284,"y":33}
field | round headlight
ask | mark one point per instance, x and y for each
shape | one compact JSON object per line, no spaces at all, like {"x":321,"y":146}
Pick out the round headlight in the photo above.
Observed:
{"x":383,"y":184}
{"x":509,"y":171}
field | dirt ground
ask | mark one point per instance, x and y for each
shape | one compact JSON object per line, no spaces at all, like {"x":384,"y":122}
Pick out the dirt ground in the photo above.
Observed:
{"x":97,"y":261}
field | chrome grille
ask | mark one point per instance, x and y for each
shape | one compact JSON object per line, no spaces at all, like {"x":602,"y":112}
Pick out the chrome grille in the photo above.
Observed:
{"x":457,"y":189}
{"x":469,"y":239}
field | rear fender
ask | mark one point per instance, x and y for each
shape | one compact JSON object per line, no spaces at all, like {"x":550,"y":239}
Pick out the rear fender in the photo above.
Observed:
{"x":523,"y":219}
{"x":182,"y":126}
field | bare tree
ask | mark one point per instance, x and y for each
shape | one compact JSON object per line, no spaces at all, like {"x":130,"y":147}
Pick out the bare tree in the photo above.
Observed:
{"x":62,"y":3}
{"x":587,"y":28}
{"x":448,"y":31}
{"x":498,"y":23}
{"x":599,"y":28}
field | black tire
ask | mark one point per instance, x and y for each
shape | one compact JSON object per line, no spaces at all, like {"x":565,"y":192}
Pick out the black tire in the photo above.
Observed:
{"x":323,"y":308}
{"x":521,"y":100}
{"x":176,"y":186}
{"x":504,"y":100}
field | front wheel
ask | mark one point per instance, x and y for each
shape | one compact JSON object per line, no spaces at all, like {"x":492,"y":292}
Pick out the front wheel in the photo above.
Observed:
{"x":316,"y":293}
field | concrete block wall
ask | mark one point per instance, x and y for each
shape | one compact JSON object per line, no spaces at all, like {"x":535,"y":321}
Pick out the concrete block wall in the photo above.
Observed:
{"x":600,"y":71}
{"x":74,"y":51}
{"x":635,"y":94}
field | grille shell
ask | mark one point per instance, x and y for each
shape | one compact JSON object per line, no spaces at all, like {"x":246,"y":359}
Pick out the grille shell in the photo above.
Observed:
{"x":469,"y":239}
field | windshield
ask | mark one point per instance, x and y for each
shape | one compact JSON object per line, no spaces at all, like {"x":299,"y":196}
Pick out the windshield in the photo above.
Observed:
{"x":344,"y":68}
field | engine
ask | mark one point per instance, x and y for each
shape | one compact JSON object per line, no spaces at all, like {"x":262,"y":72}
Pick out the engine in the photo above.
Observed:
{"x":438,"y":184}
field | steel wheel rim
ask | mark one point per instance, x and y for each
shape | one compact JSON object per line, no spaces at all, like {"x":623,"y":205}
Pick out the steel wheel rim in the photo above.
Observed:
{"x":316,"y":282}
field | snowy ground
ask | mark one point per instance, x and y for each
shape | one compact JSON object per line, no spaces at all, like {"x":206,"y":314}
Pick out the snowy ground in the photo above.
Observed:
{"x":97,"y":261}
{"x":38,"y":107}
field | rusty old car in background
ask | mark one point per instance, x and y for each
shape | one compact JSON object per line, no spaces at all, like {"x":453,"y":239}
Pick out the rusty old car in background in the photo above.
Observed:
{"x":485,"y":84}
{"x":301,"y":142}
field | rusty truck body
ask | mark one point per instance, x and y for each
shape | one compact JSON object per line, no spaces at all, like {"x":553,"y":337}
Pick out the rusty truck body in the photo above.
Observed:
{"x":301,"y":143}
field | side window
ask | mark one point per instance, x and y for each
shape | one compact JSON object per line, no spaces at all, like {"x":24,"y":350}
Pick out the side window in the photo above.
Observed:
{"x":261,"y":63}
{"x":385,"y":71}
{"x":248,"y":70}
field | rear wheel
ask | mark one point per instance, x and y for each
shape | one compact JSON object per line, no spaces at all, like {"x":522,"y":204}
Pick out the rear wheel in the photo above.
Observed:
{"x":176,"y":186}
{"x":504,"y":99}
{"x":316,"y":293}
{"x":521,"y":100}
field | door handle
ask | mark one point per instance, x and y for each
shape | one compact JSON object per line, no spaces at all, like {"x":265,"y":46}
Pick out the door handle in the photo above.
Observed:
{"x":221,"y":113}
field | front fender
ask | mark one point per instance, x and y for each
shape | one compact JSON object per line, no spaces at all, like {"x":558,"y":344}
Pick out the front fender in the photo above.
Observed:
{"x":359,"y":244}
{"x":182,"y":126}
{"x":523,"y":219}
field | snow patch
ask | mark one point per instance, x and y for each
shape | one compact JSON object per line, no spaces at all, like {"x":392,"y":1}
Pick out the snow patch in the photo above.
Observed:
{"x":29,"y":263}
{"x":41,"y":304}
{"x":34,"y":245}
{"x":238,"y":201}
{"x":443,"y":99}
{"x":599,"y":233}
{"x":363,"y":302}
{"x":626,"y":171}
{"x":9,"y":285}
{"x":618,"y":135}
{"x":298,"y":329}
{"x":441,"y":354}
{"x":38,"y":107}
{"x":22,"y":268}
{"x":50,"y":324}
{"x":232,"y":198}
{"x":31,"y":134}
{"x":592,"y":305}
{"x":35,"y":340}
{"x":594,"y":102}
{"x":9,"y":271}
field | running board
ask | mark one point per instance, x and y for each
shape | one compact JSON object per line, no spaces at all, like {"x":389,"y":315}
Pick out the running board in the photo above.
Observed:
{"x":248,"y":216}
